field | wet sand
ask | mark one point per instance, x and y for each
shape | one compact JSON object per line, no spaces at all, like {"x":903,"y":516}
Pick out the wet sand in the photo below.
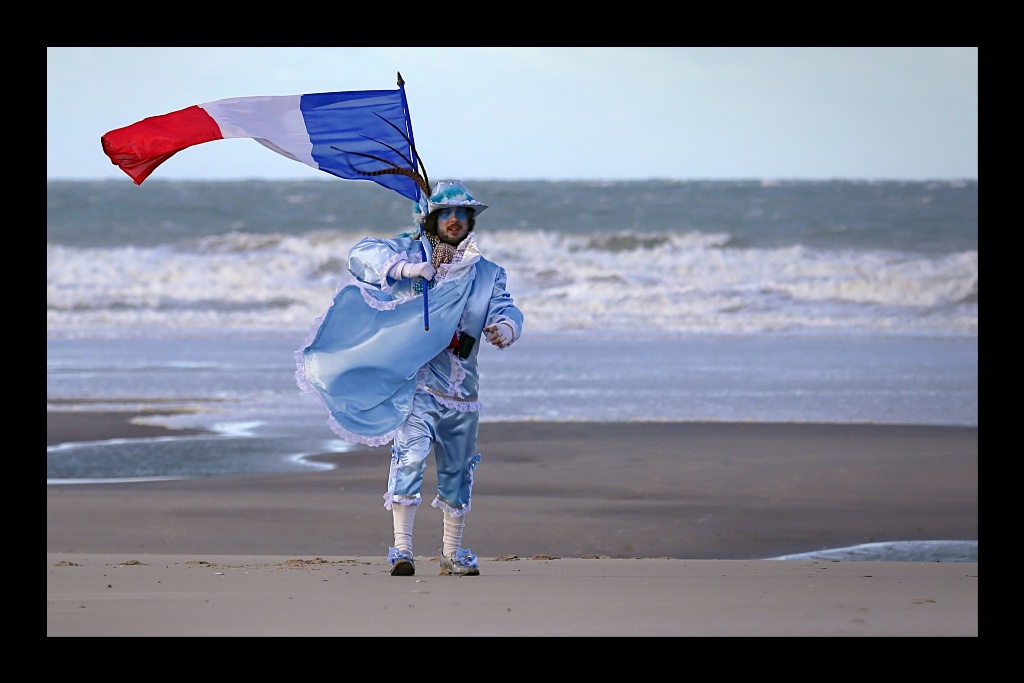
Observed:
{"x":581,"y":529}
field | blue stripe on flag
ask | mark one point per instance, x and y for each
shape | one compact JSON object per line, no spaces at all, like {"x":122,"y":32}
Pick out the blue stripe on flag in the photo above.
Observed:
{"x":348,"y":121}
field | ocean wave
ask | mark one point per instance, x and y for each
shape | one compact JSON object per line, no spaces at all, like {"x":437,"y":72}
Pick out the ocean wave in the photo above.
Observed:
{"x":895,"y":551}
{"x":624,"y":281}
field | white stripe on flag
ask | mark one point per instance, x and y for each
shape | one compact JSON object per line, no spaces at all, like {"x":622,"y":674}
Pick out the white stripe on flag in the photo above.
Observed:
{"x":275,"y":122}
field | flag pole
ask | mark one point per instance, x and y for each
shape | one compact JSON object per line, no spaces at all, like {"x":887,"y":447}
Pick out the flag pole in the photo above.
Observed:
{"x":423,"y":250}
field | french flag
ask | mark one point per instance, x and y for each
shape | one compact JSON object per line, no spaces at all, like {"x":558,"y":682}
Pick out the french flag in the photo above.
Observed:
{"x":346,"y":134}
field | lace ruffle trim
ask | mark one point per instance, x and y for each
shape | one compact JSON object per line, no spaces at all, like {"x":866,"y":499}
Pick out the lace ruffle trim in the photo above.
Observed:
{"x":372,"y":441}
{"x":386,"y":270}
{"x":450,"y":509}
{"x":390,"y":500}
{"x":304,"y":385}
{"x":457,"y":375}
{"x":448,"y":402}
{"x":474,"y":462}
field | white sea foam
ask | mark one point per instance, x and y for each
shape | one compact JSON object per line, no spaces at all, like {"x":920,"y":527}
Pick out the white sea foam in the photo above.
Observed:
{"x":895,"y":551}
{"x":689,"y":282}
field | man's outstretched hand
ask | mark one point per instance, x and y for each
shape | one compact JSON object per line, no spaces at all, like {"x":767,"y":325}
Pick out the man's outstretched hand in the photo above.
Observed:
{"x":499,"y":334}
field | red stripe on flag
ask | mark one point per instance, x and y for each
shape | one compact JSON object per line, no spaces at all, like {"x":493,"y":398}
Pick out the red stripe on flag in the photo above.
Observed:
{"x":139,"y":148}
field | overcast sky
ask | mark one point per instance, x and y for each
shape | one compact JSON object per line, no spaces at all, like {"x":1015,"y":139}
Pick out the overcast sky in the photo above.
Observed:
{"x":554,"y":113}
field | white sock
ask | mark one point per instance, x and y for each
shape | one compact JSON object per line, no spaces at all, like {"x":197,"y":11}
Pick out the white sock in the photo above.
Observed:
{"x":404,"y":516}
{"x":453,"y":527}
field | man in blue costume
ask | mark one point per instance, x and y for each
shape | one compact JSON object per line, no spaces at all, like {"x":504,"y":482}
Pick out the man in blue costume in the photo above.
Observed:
{"x":387,"y":376}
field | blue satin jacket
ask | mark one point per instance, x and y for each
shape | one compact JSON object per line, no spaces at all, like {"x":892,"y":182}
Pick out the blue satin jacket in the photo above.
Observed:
{"x":369,"y":353}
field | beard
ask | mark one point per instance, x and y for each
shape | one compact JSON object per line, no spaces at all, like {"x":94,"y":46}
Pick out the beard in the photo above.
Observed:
{"x":448,"y":239}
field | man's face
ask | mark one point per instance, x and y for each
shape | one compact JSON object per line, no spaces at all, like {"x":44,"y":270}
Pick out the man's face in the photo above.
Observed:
{"x":453,"y":225}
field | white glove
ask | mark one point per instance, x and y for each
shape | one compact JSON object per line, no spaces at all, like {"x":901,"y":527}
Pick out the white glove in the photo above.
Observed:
{"x":405,"y":269}
{"x":500,"y":334}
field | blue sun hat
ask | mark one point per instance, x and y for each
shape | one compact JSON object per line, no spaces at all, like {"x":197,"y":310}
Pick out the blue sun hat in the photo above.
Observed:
{"x":447,"y":193}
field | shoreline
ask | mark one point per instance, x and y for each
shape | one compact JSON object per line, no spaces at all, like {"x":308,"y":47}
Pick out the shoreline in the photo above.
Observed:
{"x":582,"y":529}
{"x":658,"y":489}
{"x":72,"y":426}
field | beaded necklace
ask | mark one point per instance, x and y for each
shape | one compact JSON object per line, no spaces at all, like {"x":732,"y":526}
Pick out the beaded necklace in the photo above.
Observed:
{"x":443,"y":253}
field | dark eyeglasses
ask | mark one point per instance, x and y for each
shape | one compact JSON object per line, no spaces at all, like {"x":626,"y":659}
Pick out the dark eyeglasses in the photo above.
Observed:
{"x":461,"y":214}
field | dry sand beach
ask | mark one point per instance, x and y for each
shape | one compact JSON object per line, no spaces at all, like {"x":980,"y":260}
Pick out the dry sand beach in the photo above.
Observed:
{"x":582,"y":529}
